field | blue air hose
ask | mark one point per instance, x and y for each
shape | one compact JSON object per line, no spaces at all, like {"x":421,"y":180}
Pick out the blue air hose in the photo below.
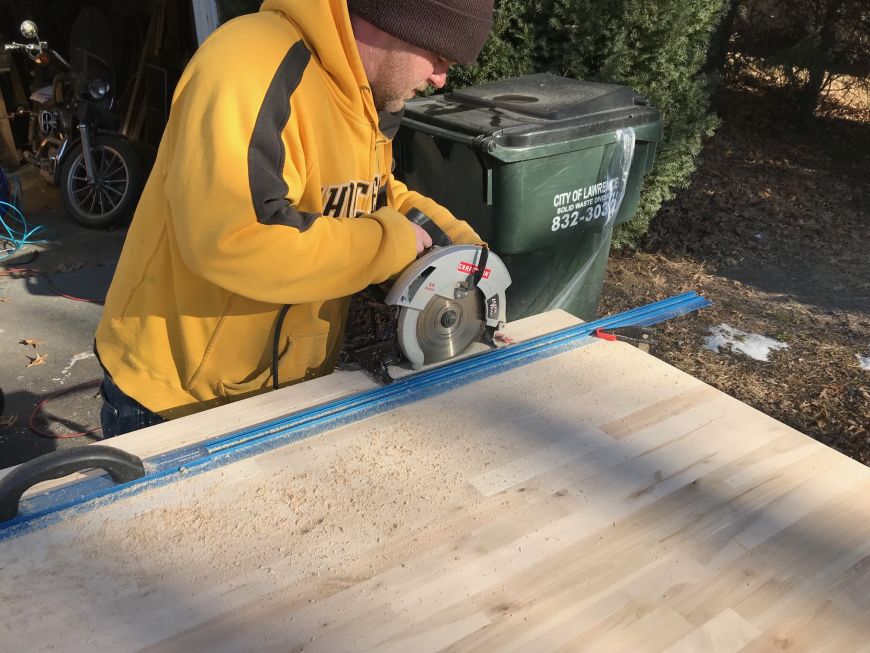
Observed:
{"x":14,"y":230}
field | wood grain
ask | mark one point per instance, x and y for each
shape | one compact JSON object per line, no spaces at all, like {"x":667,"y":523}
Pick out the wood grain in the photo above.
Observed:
{"x":598,"y":500}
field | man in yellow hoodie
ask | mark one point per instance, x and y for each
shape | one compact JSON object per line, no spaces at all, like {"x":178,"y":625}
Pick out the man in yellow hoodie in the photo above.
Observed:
{"x":272,"y":201}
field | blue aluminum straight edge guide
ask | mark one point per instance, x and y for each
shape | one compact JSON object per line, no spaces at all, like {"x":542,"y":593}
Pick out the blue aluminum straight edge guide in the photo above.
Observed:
{"x":47,"y":508}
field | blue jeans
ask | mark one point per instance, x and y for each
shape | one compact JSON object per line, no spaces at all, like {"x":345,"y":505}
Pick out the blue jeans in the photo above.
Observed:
{"x":121,"y":413}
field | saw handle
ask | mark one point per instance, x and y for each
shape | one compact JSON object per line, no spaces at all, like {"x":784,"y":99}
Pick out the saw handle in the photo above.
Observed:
{"x":481,"y":267}
{"x":123,"y":467}
{"x":439,"y":238}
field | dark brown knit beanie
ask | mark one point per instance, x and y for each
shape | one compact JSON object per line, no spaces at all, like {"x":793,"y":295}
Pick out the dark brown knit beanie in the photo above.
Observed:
{"x":453,"y":29}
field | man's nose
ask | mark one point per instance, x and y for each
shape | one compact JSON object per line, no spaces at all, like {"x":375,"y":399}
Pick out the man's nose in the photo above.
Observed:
{"x":439,"y":72}
{"x":437,"y":79}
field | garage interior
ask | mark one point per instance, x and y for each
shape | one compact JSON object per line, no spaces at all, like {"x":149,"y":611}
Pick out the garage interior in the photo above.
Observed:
{"x":146,"y":44}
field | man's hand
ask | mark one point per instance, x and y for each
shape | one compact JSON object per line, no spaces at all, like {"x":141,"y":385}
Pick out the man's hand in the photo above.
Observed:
{"x":424,"y":241}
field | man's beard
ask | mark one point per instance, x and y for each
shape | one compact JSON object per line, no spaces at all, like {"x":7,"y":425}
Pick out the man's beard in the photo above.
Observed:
{"x":388,"y":101}
{"x":393,"y":92}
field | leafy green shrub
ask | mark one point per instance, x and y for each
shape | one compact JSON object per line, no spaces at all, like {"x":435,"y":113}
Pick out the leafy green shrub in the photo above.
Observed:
{"x":657,"y":47}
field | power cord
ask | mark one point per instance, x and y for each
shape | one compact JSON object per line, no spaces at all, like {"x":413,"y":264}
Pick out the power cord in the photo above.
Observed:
{"x":24,"y":273}
{"x":278,"y":324}
{"x":77,"y":299}
{"x":31,"y":422}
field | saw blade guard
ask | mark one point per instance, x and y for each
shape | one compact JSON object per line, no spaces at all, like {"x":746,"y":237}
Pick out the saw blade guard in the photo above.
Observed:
{"x":448,"y":273}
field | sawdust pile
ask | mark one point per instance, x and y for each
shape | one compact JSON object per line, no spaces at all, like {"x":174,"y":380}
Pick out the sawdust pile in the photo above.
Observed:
{"x":378,"y":491}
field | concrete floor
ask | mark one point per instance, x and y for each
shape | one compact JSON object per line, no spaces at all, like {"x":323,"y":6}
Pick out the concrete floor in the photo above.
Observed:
{"x":76,"y":261}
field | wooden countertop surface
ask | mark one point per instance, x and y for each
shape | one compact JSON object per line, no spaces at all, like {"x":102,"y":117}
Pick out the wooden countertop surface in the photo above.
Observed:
{"x":599,"y":500}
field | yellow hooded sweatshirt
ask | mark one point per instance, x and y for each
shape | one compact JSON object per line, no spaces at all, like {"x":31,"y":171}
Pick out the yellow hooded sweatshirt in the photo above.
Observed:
{"x":272,"y":186}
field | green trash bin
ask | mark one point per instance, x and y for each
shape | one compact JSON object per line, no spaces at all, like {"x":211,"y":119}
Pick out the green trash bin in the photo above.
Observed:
{"x":543,"y":167}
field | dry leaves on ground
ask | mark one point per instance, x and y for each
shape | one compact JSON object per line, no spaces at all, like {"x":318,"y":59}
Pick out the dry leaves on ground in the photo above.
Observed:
{"x":38,"y":360}
{"x":772,"y":231}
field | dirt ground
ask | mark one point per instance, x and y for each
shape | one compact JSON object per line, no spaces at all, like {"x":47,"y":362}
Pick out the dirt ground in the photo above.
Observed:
{"x":774,"y":229}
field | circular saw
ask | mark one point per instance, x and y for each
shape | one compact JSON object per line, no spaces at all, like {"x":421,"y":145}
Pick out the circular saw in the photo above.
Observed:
{"x":449,"y":298}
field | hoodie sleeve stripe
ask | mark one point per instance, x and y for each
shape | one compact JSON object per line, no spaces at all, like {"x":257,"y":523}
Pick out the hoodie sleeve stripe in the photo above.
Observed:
{"x":266,"y":150}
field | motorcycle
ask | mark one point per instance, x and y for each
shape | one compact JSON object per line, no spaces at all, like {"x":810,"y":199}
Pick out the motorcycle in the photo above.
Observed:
{"x":73,"y":136}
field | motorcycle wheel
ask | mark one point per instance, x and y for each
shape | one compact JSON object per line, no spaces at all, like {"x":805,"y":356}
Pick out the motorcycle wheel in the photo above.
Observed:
{"x":112,"y":197}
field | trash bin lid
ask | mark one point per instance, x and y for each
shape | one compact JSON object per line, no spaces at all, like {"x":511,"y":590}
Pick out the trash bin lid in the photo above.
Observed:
{"x":533,"y":110}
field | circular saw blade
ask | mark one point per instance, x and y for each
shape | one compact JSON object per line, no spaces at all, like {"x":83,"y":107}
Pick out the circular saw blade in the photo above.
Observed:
{"x":447,"y":326}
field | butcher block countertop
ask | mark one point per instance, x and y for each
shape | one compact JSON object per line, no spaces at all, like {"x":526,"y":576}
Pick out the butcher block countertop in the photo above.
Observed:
{"x":597,"y":500}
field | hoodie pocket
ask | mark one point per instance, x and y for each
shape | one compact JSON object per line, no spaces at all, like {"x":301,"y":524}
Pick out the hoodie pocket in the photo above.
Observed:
{"x":302,"y":357}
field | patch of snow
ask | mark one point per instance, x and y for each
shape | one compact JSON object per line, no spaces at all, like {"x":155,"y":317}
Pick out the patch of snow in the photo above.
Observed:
{"x":753,"y":345}
{"x":863,"y":361}
{"x":75,"y":359}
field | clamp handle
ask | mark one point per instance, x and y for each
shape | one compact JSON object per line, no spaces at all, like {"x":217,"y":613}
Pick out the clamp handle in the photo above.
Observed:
{"x":123,"y":467}
{"x":439,"y":238}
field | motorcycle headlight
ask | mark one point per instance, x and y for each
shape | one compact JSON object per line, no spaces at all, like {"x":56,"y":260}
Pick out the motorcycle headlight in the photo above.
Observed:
{"x":98,"y":89}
